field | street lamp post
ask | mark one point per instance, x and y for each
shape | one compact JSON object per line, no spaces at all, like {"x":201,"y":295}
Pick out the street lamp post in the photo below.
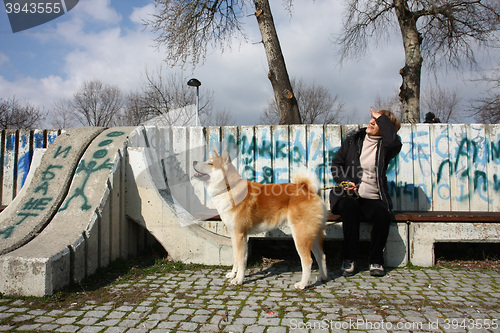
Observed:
{"x":196,"y":83}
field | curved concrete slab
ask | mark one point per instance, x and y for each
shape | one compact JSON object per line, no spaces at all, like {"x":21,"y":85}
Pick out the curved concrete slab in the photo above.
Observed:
{"x":79,"y":238}
{"x":149,"y":204}
{"x":26,"y":216}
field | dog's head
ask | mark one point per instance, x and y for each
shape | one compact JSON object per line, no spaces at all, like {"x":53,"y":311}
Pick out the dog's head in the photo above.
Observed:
{"x":213,"y":169}
{"x":222,"y":181}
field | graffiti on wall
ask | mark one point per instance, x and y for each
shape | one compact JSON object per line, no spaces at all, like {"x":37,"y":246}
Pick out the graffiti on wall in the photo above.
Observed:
{"x":278,"y":157}
{"x":41,"y":198}
{"x":86,"y":168}
{"x":17,"y":153}
{"x":461,"y":166}
{"x":454,"y":166}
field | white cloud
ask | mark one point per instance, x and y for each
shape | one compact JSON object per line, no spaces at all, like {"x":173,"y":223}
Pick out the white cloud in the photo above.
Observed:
{"x":3,"y":58}
{"x":99,"y":10}
{"x":140,"y":14}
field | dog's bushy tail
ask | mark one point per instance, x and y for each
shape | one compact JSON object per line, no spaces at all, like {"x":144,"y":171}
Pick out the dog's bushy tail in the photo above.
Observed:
{"x":308,"y":179}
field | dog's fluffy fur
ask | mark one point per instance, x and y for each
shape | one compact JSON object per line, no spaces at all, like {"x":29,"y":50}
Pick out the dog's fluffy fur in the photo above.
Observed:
{"x":247,"y":207}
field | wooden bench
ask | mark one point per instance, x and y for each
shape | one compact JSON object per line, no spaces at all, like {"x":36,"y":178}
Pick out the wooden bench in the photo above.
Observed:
{"x":412,"y":236}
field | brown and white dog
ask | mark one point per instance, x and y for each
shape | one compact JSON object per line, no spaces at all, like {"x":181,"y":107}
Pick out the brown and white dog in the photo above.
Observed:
{"x":247,"y":207}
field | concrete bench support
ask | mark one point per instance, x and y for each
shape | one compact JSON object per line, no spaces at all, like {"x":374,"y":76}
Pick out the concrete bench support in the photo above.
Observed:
{"x":423,"y":236}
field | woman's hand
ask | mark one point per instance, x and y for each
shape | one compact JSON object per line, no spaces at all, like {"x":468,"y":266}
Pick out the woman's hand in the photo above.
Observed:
{"x":350,"y":188}
{"x":374,"y":114}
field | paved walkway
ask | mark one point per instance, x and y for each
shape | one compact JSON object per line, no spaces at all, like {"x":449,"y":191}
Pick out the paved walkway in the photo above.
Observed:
{"x":200,"y":300}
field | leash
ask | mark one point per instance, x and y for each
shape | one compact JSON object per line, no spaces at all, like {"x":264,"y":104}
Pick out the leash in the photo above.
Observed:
{"x":342,"y":186}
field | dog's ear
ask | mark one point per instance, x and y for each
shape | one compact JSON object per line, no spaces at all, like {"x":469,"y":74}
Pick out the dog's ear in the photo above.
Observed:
{"x":226,"y":157}
{"x":213,"y":154}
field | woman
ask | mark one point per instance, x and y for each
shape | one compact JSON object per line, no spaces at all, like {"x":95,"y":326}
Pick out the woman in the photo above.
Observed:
{"x":359,"y":167}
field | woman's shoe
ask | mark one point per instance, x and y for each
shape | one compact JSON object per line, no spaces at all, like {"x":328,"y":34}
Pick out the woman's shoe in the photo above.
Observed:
{"x":377,"y":270}
{"x":348,"y":268}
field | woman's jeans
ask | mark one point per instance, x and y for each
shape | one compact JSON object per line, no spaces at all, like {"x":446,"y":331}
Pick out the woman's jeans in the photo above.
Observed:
{"x":352,"y":211}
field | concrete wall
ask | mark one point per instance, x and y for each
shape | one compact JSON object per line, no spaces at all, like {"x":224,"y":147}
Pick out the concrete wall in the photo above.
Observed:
{"x":442,"y":167}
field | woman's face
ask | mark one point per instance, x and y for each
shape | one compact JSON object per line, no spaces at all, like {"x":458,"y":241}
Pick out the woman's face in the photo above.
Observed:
{"x":373,"y":128}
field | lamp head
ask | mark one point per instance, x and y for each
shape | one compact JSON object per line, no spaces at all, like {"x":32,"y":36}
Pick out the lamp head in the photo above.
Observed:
{"x":194,"y":83}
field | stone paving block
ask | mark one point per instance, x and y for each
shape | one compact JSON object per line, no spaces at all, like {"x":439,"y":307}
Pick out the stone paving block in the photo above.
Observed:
{"x":29,"y":328}
{"x":109,"y":322}
{"x":21,"y":318}
{"x":48,"y":328}
{"x":139,"y":330}
{"x":96,"y":314}
{"x":90,"y":329}
{"x":115,"y":330}
{"x":276,"y":329}
{"x":87,"y":321}
{"x":166,"y":325}
{"x":65,"y":320}
{"x":255,"y":329}
{"x":189,"y":327}
{"x":44,"y":319}
{"x":116,"y":315}
{"x":68,"y":328}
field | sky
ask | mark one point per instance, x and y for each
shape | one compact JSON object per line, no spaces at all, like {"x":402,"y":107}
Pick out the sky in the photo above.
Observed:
{"x":106,"y":40}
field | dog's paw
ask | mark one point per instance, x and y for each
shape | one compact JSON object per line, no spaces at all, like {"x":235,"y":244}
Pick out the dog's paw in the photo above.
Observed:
{"x":236,"y":282}
{"x":231,"y":275}
{"x":300,"y":286}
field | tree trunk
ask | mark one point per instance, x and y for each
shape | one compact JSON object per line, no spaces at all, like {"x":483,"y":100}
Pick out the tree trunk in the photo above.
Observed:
{"x":411,"y":72}
{"x":285,"y":99}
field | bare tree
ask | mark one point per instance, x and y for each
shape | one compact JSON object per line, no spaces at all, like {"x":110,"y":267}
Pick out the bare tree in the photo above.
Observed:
{"x":316,"y":102}
{"x":189,"y":28}
{"x":133,"y":113}
{"x":444,"y":103}
{"x":391,"y":103}
{"x":95,"y":104}
{"x":17,"y":115}
{"x":221,"y":118}
{"x":487,"y":108}
{"x":62,"y":115}
{"x":161,"y":94}
{"x":439,"y":31}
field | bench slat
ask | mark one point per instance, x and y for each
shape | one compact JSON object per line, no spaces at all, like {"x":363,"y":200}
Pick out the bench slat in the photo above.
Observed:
{"x":493,"y":217}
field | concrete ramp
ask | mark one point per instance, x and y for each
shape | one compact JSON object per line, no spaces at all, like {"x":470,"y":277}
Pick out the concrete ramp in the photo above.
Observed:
{"x":32,"y":210}
{"x":72,"y":231}
{"x":150,"y":204}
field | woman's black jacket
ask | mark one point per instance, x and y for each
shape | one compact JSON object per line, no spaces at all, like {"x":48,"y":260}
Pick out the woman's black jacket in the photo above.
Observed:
{"x":346,"y":165}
